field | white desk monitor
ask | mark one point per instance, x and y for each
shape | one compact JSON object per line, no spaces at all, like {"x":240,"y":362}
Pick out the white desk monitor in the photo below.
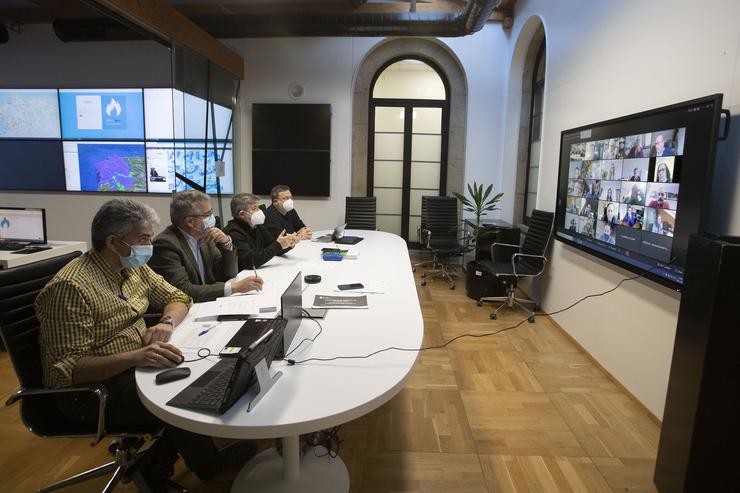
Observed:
{"x":25,"y":225}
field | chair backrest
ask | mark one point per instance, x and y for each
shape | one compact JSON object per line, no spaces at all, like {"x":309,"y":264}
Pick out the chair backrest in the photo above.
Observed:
{"x":439,"y":215}
{"x":538,"y":236}
{"x":359,"y":213}
{"x":19,"y":327}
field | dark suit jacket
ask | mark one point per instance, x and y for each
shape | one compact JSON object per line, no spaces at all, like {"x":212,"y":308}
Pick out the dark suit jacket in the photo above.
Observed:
{"x":174,"y":261}
{"x":254,"y":246}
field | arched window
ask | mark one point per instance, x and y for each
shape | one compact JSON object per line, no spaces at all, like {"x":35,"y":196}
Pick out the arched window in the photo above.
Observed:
{"x":407,"y":142}
{"x":535,"y":133}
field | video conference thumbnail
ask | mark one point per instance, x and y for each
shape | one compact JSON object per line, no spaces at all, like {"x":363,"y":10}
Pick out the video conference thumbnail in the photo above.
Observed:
{"x":624,"y":191}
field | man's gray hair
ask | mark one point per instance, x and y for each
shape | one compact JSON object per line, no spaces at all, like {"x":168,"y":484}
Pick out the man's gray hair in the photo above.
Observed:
{"x":119,"y":217}
{"x":183,"y":205}
{"x":242,"y":202}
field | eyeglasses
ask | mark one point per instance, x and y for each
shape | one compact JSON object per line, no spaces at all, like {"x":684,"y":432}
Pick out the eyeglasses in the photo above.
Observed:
{"x":202,"y":216}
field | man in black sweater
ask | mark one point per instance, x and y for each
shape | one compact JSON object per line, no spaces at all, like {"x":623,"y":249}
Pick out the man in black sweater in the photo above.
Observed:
{"x":282,"y":216}
{"x":255,"y":244}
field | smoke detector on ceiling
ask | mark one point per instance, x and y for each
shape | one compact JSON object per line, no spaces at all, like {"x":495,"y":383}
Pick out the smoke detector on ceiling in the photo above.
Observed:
{"x":295,"y":90}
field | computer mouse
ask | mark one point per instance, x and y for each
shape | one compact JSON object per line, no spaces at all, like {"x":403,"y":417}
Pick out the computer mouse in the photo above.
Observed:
{"x":172,"y":374}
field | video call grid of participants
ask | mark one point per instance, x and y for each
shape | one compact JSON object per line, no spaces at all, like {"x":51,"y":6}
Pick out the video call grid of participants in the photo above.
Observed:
{"x":622,"y":185}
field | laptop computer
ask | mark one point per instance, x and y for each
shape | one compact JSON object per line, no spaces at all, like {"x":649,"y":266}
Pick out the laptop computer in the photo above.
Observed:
{"x":228,"y":380}
{"x":21,"y":227}
{"x":291,"y":303}
{"x":341,"y":239}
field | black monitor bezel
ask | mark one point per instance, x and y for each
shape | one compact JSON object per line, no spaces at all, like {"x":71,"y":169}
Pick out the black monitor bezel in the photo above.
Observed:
{"x":716,"y":100}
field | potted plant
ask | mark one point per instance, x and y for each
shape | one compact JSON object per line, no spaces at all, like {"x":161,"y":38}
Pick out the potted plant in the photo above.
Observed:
{"x":480,"y":202}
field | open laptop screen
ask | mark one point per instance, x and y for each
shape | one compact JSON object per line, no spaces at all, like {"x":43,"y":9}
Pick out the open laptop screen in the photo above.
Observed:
{"x":291,"y":307}
{"x":20,"y":224}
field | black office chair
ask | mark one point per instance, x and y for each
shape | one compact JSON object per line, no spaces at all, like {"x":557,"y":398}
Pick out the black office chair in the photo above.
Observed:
{"x":439,"y":232}
{"x":528,"y":261}
{"x":359,"y":213}
{"x":19,"y":330}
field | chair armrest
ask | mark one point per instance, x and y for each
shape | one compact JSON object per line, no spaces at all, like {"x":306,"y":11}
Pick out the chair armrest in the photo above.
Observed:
{"x":516,"y":256}
{"x":100,"y":391}
{"x":496,"y":244}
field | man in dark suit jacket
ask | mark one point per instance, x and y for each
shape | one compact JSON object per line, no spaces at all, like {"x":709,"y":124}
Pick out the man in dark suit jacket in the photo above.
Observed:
{"x":195,"y":256}
{"x":255,"y":244}
{"x":282,"y":216}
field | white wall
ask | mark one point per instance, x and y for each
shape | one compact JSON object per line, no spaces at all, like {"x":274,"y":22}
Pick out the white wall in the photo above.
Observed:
{"x":604,"y":60}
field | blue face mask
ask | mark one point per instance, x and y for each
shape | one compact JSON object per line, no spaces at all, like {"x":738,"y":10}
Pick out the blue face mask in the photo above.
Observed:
{"x":139,"y":256}
{"x":209,"y":222}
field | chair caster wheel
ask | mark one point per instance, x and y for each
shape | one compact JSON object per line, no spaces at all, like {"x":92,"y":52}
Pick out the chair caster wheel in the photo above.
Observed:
{"x":413,"y":269}
{"x":479,"y":303}
{"x":494,"y":316}
{"x":531,"y":319}
{"x":452,"y":287}
{"x":423,"y":275}
{"x":424,"y":283}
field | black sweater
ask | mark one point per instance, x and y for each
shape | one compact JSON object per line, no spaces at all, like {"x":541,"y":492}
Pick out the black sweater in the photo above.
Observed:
{"x":276,"y":222}
{"x":254,"y":246}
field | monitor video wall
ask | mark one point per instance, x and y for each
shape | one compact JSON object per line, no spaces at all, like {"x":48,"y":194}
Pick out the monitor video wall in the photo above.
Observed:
{"x":113,"y":140}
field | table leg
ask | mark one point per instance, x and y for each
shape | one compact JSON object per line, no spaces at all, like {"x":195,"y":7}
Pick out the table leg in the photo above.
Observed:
{"x":291,"y":457}
{"x":292,"y":473}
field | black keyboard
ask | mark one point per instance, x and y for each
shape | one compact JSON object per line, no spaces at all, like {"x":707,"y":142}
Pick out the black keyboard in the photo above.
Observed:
{"x":12,"y":245}
{"x":212,"y":395}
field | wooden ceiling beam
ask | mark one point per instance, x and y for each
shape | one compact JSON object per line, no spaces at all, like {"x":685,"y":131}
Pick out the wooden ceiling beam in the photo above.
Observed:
{"x":161,"y":20}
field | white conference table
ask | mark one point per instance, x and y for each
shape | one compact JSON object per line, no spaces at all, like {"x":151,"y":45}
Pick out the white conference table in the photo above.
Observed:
{"x":314,"y":395}
{"x":8,"y":259}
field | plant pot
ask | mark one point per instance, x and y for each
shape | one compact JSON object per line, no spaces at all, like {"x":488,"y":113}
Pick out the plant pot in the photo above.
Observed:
{"x":480,"y":283}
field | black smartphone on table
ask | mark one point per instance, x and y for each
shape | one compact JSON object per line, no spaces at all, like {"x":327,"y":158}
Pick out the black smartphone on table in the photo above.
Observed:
{"x":354,"y":285}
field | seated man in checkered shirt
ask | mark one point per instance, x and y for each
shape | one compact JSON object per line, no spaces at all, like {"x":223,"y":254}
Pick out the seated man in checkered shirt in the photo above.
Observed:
{"x":92,"y":330}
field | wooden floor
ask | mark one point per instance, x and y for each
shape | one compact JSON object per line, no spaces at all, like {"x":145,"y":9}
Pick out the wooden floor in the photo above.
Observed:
{"x":521,"y":411}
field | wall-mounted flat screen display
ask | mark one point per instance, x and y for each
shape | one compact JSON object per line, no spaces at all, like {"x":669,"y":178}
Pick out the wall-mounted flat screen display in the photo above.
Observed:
{"x":105,"y":166}
{"x":29,"y":114}
{"x":36,"y":162}
{"x":191,"y":160}
{"x":631,"y":190}
{"x":291,"y":140}
{"x":102,"y":114}
{"x":175,"y":115}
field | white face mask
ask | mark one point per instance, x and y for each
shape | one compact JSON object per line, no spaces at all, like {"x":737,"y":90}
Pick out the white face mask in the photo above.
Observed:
{"x":257,"y":218}
{"x":288,"y":205}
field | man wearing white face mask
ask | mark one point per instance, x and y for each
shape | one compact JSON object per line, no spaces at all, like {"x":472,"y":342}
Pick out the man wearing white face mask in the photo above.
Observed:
{"x":92,"y":330}
{"x":195,"y":256}
{"x":282,"y":216}
{"x":255,"y":244}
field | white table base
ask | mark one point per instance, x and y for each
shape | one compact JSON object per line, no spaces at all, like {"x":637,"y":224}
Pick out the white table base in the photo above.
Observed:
{"x":269,"y":472}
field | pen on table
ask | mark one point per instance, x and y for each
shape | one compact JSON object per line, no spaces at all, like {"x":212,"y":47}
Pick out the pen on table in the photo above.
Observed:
{"x":206,"y":329}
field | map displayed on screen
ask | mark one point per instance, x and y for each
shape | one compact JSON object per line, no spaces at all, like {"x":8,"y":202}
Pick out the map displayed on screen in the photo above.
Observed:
{"x":164,"y":159}
{"x":106,"y":167}
{"x":29,"y":113}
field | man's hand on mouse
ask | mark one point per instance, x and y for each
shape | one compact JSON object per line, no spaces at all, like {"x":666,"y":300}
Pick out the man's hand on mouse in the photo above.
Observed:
{"x":159,"y":355}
